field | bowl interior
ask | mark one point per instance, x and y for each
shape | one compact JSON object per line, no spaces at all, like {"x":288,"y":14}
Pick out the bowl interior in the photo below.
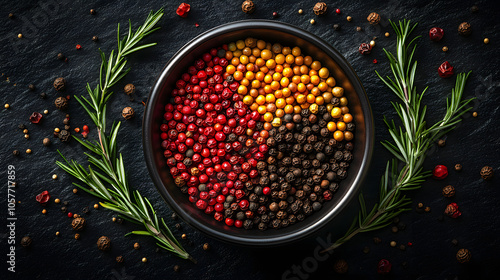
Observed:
{"x":286,"y":35}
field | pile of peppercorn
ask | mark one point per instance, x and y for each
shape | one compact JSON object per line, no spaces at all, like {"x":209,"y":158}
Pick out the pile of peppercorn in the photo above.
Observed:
{"x":258,"y":135}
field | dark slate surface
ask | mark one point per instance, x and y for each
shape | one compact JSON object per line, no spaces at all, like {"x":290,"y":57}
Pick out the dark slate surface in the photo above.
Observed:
{"x":50,"y":27}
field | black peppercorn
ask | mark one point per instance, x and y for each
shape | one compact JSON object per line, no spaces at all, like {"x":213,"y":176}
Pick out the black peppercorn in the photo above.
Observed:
{"x":128,"y":113}
{"x":60,"y":56}
{"x":31,"y":87}
{"x":464,"y":29}
{"x":487,"y":173}
{"x":474,"y":9}
{"x":336,"y":27}
{"x":26,"y":241}
{"x":60,"y":84}
{"x":78,"y":224}
{"x":95,"y":38}
{"x":64,"y":135}
{"x":340,"y":266}
{"x":463,"y":255}
{"x":448,"y":191}
{"x":441,"y":142}
{"x":248,"y":224}
{"x":61,"y":103}
{"x":104,"y":243}
{"x":16,"y":153}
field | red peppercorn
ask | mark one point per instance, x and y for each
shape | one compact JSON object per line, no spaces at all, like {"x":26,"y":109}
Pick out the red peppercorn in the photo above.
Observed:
{"x":436,"y":34}
{"x":452,"y":210}
{"x":445,"y":70}
{"x":266,"y":190}
{"x":384,"y":267}
{"x":78,"y":46}
{"x":70,"y":215}
{"x":183,"y":10}
{"x":35,"y":117}
{"x":201,"y":204}
{"x":43,"y":197}
{"x":229,"y":222}
{"x":440,"y":172}
{"x":238,"y":223}
{"x":365,"y":48}
{"x":337,"y":11}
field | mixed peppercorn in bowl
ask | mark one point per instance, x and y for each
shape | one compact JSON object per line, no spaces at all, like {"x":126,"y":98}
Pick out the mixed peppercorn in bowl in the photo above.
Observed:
{"x":257,"y":132}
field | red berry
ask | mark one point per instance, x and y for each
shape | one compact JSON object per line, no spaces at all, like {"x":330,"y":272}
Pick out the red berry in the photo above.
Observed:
{"x":229,"y":222}
{"x":337,"y":11}
{"x":436,"y":34}
{"x":440,"y":172}
{"x":70,"y":215}
{"x":384,"y":267}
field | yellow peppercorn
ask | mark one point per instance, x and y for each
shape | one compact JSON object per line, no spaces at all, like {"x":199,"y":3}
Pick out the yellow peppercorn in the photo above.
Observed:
{"x":276,"y":122}
{"x":240,"y":44}
{"x":279,"y":113}
{"x":28,"y":151}
{"x":331,"y":81}
{"x":144,"y":260}
{"x":348,"y":136}
{"x":44,"y":211}
{"x":243,"y":90}
{"x":288,"y":109}
{"x":387,"y":34}
{"x":338,"y":135}
{"x":323,"y":86}
{"x":338,"y":91}
{"x":343,"y":101}
{"x":331,"y":126}
{"x":301,"y":98}
{"x":57,"y":200}
{"x":75,"y":190}
{"x":314,"y":108}
{"x":329,"y":107}
{"x":248,"y":100}
{"x":268,"y":117}
{"x":96,"y":206}
{"x":231,"y":46}
{"x":341,"y":126}
{"x":296,"y":51}
{"x":54,"y":177}
{"x":6,"y":106}
{"x":336,"y":112}
{"x":270,"y":98}
{"x":57,"y":130}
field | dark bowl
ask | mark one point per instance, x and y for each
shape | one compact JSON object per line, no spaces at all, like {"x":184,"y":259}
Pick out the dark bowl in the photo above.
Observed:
{"x":287,"y":35}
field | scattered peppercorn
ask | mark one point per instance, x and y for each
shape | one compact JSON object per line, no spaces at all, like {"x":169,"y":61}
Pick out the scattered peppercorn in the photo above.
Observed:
{"x":206,"y":247}
{"x":60,"y":84}
{"x":359,"y":29}
{"x":445,"y":49}
{"x":6,"y":106}
{"x":177,"y":268}
{"x":77,"y":236}
{"x":57,"y":200}
{"x":452,"y":210}
{"x":31,"y":87}
{"x":300,"y":11}
{"x":144,"y":260}
{"x":394,"y":229}
{"x":44,"y":211}
{"x":441,"y":142}
{"x":448,"y":191}
{"x":373,"y":18}
{"x":445,"y":70}
{"x":61,"y":103}
{"x":104,"y":243}
{"x":54,"y":176}
{"x":387,"y":34}
{"x":312,"y":21}
{"x":184,"y":236}
{"x":60,"y":56}
{"x":393,"y":243}
{"x":119,"y":259}
{"x":440,"y":172}
{"x":487,"y":172}
{"x":365,"y":48}
{"x":16,"y":152}
{"x":372,"y":43}
{"x":474,"y":114}
{"x":463,"y":255}
{"x":377,"y":240}
{"x":402,"y":247}
{"x":366,"y":250}
{"x":320,"y":8}
{"x":436,"y":34}
{"x":458,"y":167}
{"x":384,"y":267}
{"x":58,"y":233}
{"x":349,"y":18}
{"x":137,"y":246}
{"x":454,"y":242}
{"x":78,"y":223}
{"x":275,"y":14}
{"x":11,"y":15}
{"x":341,"y":266}
{"x":75,"y":190}
{"x":129,"y":89}
{"x":427,"y":209}
{"x":26,"y":241}
{"x":128,"y":113}
{"x":474,"y":9}
{"x":336,"y":27}
{"x":464,"y":29}
{"x":92,"y":12}
{"x":486,"y":41}
{"x":28,"y":151}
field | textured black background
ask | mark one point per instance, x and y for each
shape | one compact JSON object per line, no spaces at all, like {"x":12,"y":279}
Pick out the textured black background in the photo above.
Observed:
{"x":50,"y":27}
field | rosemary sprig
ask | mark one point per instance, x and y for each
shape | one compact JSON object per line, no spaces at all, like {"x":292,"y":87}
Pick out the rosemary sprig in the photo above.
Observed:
{"x":107,"y":179}
{"x":409,"y":142}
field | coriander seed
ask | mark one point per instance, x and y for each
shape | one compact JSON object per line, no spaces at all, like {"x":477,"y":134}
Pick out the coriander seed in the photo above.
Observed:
{"x":92,"y":12}
{"x":44,"y":211}
{"x":54,"y":177}
{"x":95,"y":38}
{"x":57,"y":130}
{"x":144,"y":260}
{"x":312,"y":21}
{"x":300,"y":11}
{"x":20,"y":35}
{"x":6,"y":106}
{"x":46,"y":112}
{"x":372,"y":43}
{"x":27,"y":136}
{"x":387,"y":34}
{"x":58,"y":233}
{"x":474,"y":114}
{"x":486,"y":41}
{"x":28,"y":151}
{"x":25,"y":131}
{"x":114,"y":219}
{"x":184,"y":236}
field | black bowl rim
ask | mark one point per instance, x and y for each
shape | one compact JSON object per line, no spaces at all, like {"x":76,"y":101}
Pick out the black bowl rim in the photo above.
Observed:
{"x":309,"y":37}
